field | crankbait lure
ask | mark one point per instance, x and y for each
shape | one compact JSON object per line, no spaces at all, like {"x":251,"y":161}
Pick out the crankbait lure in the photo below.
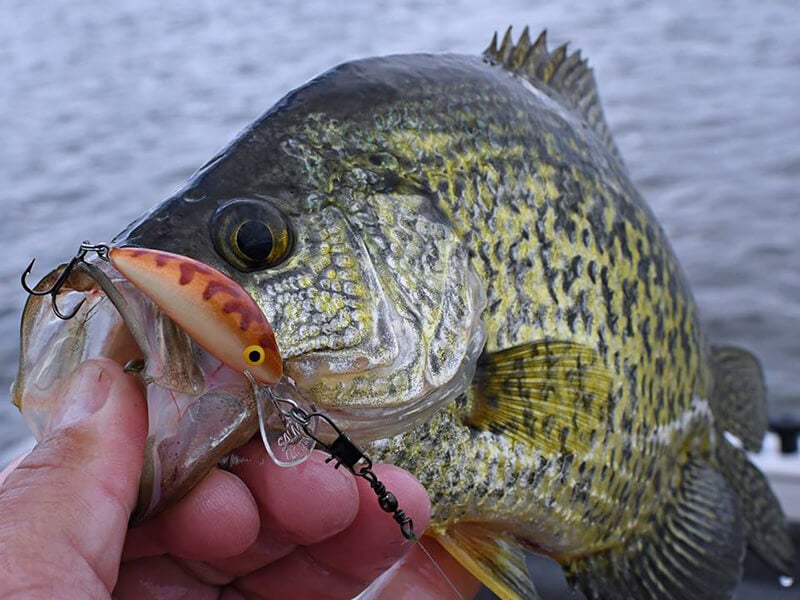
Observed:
{"x":212,"y":308}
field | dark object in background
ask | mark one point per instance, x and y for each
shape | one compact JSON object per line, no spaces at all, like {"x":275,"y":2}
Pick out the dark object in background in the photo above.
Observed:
{"x":788,"y":431}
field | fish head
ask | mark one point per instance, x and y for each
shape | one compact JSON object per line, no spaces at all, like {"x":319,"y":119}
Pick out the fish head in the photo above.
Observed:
{"x":370,"y":294}
{"x":367,"y":286}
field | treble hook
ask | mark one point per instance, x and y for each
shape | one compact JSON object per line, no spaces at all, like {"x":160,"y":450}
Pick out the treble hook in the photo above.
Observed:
{"x":100,"y":249}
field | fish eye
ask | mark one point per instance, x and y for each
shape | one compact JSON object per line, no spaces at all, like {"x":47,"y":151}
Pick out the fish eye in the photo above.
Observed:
{"x":251,"y":234}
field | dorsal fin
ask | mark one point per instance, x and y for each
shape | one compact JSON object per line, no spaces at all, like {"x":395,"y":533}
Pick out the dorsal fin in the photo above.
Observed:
{"x":562,"y":76}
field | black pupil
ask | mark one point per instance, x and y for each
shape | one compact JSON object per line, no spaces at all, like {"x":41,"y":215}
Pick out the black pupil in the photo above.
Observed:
{"x":254,"y":240}
{"x":254,"y":355}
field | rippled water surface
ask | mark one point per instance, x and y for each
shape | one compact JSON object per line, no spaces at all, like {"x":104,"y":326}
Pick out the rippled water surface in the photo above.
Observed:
{"x":107,"y":108}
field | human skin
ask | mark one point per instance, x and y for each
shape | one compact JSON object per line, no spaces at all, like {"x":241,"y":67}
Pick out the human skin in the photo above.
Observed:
{"x":255,"y":531}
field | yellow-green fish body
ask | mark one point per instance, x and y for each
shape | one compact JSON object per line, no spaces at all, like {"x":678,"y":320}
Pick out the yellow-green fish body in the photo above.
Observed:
{"x":475,"y":290}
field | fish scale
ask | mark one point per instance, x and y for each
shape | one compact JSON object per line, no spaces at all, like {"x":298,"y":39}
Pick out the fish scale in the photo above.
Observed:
{"x":540,"y":215}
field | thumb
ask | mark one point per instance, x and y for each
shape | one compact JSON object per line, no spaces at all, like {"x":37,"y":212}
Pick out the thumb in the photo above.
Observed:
{"x":64,"y":510}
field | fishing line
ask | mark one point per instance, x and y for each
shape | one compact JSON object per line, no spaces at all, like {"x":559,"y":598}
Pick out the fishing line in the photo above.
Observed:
{"x":441,"y":571}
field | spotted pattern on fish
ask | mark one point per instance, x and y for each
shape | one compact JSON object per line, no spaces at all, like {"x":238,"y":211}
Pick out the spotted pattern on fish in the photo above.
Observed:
{"x":567,"y":250}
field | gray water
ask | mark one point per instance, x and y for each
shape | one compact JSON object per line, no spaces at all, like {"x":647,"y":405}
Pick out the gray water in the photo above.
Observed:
{"x":105,"y":108}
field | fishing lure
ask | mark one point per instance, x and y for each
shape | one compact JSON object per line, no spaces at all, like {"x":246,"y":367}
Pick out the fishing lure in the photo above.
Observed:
{"x":212,"y":308}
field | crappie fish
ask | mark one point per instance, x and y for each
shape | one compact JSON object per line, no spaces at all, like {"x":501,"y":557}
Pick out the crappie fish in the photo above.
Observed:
{"x":459,"y":272}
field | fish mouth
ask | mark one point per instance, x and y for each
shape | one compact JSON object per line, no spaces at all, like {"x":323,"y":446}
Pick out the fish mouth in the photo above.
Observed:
{"x":199,"y":409}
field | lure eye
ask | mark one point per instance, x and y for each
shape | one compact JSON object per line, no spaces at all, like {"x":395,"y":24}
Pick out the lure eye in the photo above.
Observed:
{"x":251,"y":234}
{"x":254,"y":355}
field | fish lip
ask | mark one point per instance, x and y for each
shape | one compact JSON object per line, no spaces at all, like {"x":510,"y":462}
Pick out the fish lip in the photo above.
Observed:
{"x":138,"y":313}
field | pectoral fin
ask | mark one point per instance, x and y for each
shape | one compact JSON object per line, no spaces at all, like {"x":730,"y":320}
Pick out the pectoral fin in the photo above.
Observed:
{"x":540,"y":390}
{"x":494,"y":557}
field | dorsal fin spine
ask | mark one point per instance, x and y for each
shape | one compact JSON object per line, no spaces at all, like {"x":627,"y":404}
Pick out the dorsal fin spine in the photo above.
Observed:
{"x":540,"y":44}
{"x":566,"y":77}
{"x":506,"y":46}
{"x":520,"y":50}
{"x":492,"y":49}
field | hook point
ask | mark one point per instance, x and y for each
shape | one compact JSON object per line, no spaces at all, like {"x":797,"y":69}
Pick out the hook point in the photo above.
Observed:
{"x":24,"y":281}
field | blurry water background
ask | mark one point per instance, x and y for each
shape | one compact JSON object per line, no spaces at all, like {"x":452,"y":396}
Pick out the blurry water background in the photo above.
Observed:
{"x":107,"y":107}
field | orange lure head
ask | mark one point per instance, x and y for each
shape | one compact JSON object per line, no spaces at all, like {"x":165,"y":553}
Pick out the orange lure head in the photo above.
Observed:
{"x":211,"y":307}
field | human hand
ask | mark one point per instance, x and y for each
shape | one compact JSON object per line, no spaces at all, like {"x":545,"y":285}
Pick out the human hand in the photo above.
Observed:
{"x":257,"y":531}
